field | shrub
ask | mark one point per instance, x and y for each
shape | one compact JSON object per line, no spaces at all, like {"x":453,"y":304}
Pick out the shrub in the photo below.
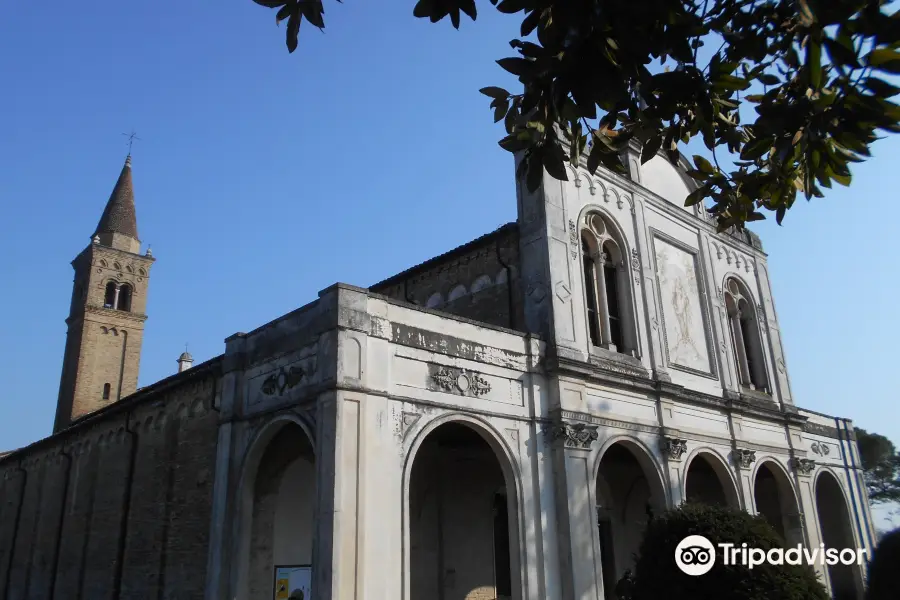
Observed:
{"x":884,"y":569}
{"x":658,"y":576}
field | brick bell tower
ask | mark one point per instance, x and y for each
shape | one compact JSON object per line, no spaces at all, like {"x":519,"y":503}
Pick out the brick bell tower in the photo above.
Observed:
{"x":107,"y":313}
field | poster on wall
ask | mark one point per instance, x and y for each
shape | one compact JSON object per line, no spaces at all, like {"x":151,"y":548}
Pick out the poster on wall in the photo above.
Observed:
{"x":293,"y":582}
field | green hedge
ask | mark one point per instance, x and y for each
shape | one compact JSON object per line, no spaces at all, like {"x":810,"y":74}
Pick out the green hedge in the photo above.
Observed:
{"x":657,"y":576}
{"x":884,"y":569}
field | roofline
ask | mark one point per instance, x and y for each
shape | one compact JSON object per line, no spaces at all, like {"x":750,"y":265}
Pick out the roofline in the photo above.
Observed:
{"x":478,"y":242}
{"x":209,"y":368}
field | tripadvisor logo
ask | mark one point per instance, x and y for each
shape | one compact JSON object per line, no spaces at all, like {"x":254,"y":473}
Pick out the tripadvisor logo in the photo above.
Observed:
{"x":696,"y":555}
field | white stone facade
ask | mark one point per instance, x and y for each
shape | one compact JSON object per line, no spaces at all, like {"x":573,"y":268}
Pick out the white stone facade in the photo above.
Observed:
{"x":405,"y":453}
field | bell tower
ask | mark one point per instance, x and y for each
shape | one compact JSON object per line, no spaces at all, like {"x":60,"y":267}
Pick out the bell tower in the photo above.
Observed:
{"x":107,"y":312}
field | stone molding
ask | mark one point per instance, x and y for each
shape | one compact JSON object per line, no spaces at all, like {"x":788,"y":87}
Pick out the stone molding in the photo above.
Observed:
{"x":803,"y":466}
{"x":573,"y":435}
{"x":743,"y":457}
{"x":454,"y":380}
{"x":602,"y":421}
{"x":673,"y":448}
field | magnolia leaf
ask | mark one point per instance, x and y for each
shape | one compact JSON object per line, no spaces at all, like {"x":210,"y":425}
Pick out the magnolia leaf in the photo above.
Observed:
{"x":703,"y":165}
{"x":651,"y":147}
{"x":695,"y":197}
{"x":293,"y":29}
{"x":516,"y":66}
{"x":494,"y":92}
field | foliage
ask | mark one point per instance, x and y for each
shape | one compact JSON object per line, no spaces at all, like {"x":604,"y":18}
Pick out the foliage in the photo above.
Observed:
{"x":881,"y":465}
{"x":658,"y":576}
{"x":884,"y":577}
{"x":596,"y":75}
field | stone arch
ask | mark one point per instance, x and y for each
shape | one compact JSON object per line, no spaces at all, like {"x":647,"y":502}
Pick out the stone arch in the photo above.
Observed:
{"x":713,"y":482}
{"x":457,"y":292}
{"x":275,"y":504}
{"x":836,"y":528}
{"x":423,"y":565}
{"x":481,"y":282}
{"x":630,"y":490}
{"x":776,"y":499}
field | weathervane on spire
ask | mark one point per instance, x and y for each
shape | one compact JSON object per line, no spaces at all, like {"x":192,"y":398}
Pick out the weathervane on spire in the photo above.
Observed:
{"x":131,"y":138}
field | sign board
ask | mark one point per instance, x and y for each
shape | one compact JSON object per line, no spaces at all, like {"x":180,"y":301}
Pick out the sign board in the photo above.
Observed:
{"x":293,"y":582}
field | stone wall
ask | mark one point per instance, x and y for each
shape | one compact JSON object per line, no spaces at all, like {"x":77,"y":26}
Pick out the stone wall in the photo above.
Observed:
{"x":478,"y":280}
{"x":118,"y":505}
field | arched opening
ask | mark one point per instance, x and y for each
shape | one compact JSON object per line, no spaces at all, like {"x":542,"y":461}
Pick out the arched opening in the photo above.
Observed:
{"x":707,"y":482}
{"x":607,"y":292}
{"x":279,"y":493}
{"x":462,"y":515}
{"x":456,"y":293}
{"x":106,"y":391}
{"x":124,"y":302}
{"x":109,"y":297}
{"x":835,"y":525}
{"x":590,"y":290}
{"x":777,"y":504}
{"x":745,"y":337}
{"x":629,"y":493}
{"x":610,"y":275}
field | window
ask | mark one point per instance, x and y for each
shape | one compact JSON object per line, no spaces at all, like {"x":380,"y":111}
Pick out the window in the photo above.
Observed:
{"x":746,"y":341}
{"x":124,"y":298}
{"x":606,"y":287}
{"x":106,"y":389}
{"x":109,"y":299}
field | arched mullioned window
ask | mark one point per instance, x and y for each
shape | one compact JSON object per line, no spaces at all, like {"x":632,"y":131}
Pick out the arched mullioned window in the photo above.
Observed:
{"x":109,"y":298}
{"x":745,"y":337}
{"x":124,"y":298}
{"x":117,"y":296}
{"x":606,"y":287}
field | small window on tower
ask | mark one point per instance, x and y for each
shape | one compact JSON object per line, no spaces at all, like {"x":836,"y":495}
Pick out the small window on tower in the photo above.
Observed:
{"x":124,"y":298}
{"x":109,"y":299}
{"x":106,"y":389}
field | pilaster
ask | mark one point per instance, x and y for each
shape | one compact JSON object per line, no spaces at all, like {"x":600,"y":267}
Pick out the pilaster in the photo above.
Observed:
{"x":579,"y":546}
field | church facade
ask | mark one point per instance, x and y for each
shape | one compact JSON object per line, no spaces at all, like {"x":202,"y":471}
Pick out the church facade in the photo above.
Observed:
{"x":500,"y":421}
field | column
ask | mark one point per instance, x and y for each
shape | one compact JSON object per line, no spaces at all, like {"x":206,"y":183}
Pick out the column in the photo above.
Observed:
{"x":605,"y":339}
{"x":116,"y":298}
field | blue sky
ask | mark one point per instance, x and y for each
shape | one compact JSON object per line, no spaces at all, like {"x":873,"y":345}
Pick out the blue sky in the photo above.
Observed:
{"x":263,"y":177}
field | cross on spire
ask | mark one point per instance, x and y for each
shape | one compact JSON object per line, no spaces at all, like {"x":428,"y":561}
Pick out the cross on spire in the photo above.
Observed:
{"x":131,"y":138}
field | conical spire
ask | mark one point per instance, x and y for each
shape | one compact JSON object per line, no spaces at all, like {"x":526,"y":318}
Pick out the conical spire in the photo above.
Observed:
{"x":119,"y":215}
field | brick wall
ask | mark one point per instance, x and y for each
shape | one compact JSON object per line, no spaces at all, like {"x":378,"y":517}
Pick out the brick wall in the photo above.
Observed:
{"x":479,"y":281}
{"x":118,"y":505}
{"x":103,"y":345}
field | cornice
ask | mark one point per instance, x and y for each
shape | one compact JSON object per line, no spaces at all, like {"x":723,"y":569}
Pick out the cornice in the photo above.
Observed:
{"x":736,"y":404}
{"x":92,"y":247}
{"x":664,"y":205}
{"x":118,"y":314}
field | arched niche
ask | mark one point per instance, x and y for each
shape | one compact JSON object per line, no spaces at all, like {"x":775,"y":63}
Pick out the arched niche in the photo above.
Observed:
{"x":707,"y":480}
{"x":666,"y":180}
{"x":776,"y":502}
{"x":630,"y":492}
{"x":461,"y":516}
{"x":836,"y":528}
{"x":276,"y":506}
